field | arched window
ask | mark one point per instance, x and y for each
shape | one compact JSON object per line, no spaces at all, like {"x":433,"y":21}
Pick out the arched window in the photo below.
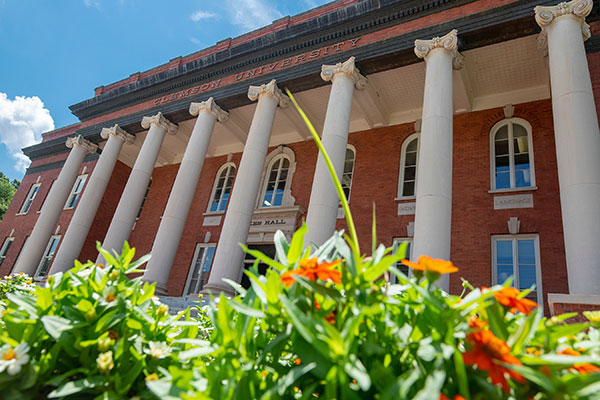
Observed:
{"x":275,"y":182}
{"x":511,"y":154}
{"x":222,"y":188}
{"x":348,"y":170}
{"x":407,"y":184}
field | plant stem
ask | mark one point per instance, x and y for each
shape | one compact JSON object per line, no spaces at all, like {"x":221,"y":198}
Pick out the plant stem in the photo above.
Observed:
{"x":332,"y":173}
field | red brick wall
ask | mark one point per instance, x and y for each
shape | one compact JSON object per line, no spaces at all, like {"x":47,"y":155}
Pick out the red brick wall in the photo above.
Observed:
{"x":474,"y":220}
{"x":564,"y":308}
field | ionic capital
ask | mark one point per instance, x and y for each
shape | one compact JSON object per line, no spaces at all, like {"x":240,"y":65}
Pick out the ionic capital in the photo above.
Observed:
{"x":80,"y":141}
{"x":348,"y":68}
{"x":269,"y":89}
{"x":160,"y":121}
{"x":211,"y":107}
{"x":118,"y":132}
{"x":448,"y":42}
{"x":579,"y":9}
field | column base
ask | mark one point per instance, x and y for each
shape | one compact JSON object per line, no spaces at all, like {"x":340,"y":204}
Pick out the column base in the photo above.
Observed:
{"x":215,"y":289}
{"x":561,"y":303}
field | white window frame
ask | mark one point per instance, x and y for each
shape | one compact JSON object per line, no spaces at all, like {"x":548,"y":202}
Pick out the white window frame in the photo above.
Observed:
{"x":538,"y":268}
{"x":187,"y":291}
{"x":48,"y":256}
{"x":395,"y":244}
{"x":26,"y":206}
{"x":405,"y":144}
{"x":76,"y":191}
{"x":511,"y":154}
{"x":5,"y":246}
{"x":351,"y":173}
{"x":266,"y":181}
{"x":139,"y":214}
{"x":225,"y":168}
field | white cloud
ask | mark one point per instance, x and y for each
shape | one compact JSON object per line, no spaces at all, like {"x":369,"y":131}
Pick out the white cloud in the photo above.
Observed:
{"x":91,"y":3}
{"x":198,"y":15}
{"x":252,"y":14}
{"x":22,"y":122}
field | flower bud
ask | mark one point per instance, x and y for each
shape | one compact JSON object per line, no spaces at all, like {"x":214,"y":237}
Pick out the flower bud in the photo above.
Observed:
{"x":90,"y":315}
{"x":113,"y":275}
{"x":104,"y":343}
{"x":162,"y":309}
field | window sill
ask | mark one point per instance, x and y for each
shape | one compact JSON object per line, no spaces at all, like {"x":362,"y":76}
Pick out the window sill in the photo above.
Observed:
{"x":408,"y":198}
{"x":21,"y":214}
{"x":213,"y":213}
{"x":521,"y":189}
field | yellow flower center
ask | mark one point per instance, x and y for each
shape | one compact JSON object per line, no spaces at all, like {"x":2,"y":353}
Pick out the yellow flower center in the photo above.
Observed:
{"x":9,"y":355}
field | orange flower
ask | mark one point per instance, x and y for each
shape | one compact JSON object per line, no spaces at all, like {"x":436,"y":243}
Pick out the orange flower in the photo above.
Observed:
{"x":311,"y":269}
{"x":297,"y":361}
{"x":508,"y":297}
{"x":489,"y":352}
{"x":476,"y":323}
{"x":428,"y":264}
{"x":582,"y":368}
{"x":456,"y":397}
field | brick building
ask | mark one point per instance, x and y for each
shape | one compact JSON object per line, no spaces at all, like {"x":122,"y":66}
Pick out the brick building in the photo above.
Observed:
{"x":475,"y":134}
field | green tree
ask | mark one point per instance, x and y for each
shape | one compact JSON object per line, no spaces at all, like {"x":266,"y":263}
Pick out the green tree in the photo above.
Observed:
{"x":8,"y":189}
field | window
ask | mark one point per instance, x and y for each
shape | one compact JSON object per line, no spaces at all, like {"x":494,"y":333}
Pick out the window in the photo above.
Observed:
{"x":399,"y":265}
{"x":511,"y":155}
{"x":408,"y":166}
{"x":200,"y":267}
{"x":518,"y":256}
{"x":76,"y":192}
{"x":47,"y":259}
{"x":143,"y":200}
{"x":348,"y":171}
{"x":275,"y":182}
{"x":222,"y":188}
{"x":5,"y":246}
{"x":29,"y":199}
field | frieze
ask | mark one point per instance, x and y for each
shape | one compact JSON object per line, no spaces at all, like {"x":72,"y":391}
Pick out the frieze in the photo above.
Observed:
{"x":262,"y":70}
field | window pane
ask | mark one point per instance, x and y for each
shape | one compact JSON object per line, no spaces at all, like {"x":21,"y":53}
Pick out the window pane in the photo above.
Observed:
{"x":278,"y":200}
{"x":410,"y":173}
{"x":502,"y":133}
{"x":521,"y":145}
{"x":519,"y":131}
{"x":502,"y":180}
{"x":210,"y":252}
{"x":526,"y":252}
{"x":408,"y":189}
{"x":224,"y":201}
{"x":526,"y":276}
{"x":502,"y":163}
{"x":501,"y":147}
{"x":411,"y":158}
{"x":522,"y":178}
{"x":504,"y":272}
{"x":412,"y":146}
{"x":504,"y":252}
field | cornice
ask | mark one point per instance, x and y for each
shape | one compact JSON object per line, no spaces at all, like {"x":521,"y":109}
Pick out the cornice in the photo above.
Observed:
{"x":353,"y":20}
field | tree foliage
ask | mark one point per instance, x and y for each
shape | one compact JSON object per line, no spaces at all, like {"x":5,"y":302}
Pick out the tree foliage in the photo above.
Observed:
{"x":8,"y":189}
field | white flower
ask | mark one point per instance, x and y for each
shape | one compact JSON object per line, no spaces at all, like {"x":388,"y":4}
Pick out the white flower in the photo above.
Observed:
{"x":158,"y":349}
{"x":12,"y":360}
{"x":105,"y":361}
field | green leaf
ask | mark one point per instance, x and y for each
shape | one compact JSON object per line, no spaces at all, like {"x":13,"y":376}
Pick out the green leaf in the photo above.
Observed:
{"x":534,"y":376}
{"x":376,"y":271}
{"x":281,"y":246}
{"x":323,"y":290}
{"x":288,"y":380}
{"x":44,"y":297}
{"x":77,"y":386}
{"x":24,"y":301}
{"x":433,"y":386}
{"x":246,"y":310}
{"x":236,"y":286}
{"x":56,"y":325}
{"x":355,"y":368}
{"x":264,"y":258}
{"x":374,"y":231}
{"x":196,"y":352}
{"x":297,"y":245}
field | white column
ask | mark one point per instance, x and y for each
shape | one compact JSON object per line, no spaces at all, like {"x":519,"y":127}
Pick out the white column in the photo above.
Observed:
{"x":83,"y":217}
{"x":434,"y":186}
{"x":133,"y":194}
{"x":577,"y":139}
{"x":176,"y":212}
{"x":323,"y":205}
{"x":229,"y":255}
{"x":33,"y":252}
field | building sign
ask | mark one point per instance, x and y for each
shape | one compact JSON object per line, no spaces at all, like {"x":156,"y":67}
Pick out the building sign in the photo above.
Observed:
{"x":407,"y":208}
{"x":266,"y":221}
{"x":514,"y":201}
{"x":258,"y":71}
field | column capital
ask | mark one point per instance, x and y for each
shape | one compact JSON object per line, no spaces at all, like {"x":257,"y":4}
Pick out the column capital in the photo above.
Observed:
{"x":269,"y":89}
{"x":119,"y":132}
{"x":579,"y":9}
{"x":211,"y":107}
{"x":160,"y":121}
{"x":348,"y":68}
{"x":448,"y":42}
{"x":80,"y":141}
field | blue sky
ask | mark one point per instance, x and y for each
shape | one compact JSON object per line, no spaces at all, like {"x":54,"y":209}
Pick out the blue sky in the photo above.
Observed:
{"x":54,"y":53}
